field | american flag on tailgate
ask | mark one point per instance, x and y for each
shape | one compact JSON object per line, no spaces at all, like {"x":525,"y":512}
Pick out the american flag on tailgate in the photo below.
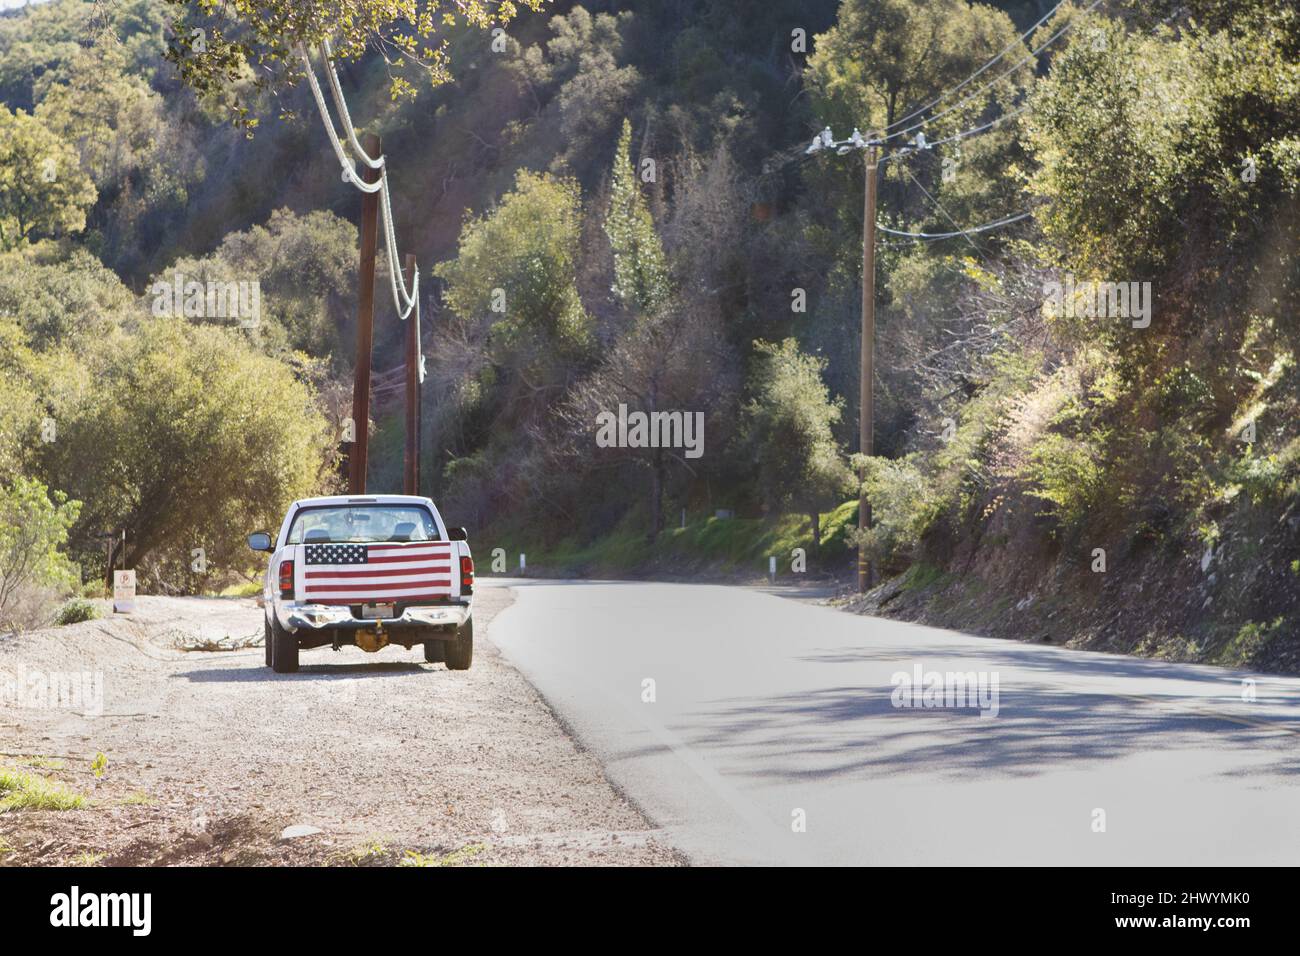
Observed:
{"x":377,"y":573}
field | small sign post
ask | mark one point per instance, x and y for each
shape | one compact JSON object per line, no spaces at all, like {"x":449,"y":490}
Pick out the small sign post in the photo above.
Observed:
{"x":123,"y":592}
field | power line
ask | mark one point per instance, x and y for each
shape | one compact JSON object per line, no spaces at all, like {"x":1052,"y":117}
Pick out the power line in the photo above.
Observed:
{"x":956,"y":137}
{"x":349,"y":172}
{"x":1002,"y":76}
{"x":861,"y":143}
{"x":403,"y":301}
{"x":947,"y":93}
{"x":939,"y":206}
{"x":344,"y":116}
{"x":1006,"y":221}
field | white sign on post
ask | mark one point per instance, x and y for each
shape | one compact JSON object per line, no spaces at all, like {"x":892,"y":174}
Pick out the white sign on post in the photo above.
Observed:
{"x":123,"y":592}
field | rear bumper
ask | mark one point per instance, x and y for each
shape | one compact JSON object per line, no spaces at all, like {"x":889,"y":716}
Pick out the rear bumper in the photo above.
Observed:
{"x":319,"y":617}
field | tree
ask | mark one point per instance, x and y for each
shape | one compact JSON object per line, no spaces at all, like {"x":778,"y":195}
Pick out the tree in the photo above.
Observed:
{"x":1150,"y":145}
{"x":305,"y":268}
{"x":20,"y":412}
{"x":884,"y":58}
{"x":881,"y":62}
{"x":36,"y":42}
{"x":579,"y":86}
{"x":33,"y":528}
{"x":43,"y":191}
{"x":218,"y":46}
{"x":190,"y":439}
{"x":640,"y":267}
{"x":673,"y":360}
{"x":142,"y":158}
{"x":70,"y":301}
{"x":787,"y":424}
{"x":520,"y":333}
{"x":513,"y":280}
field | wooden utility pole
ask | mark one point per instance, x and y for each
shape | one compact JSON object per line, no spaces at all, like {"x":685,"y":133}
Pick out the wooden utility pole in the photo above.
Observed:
{"x":365,"y":322}
{"x":109,"y":537}
{"x":411,"y":474}
{"x":116,"y":548}
{"x":866,"y":409}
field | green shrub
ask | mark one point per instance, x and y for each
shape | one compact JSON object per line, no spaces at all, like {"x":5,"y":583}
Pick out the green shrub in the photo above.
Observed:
{"x":1065,"y":472}
{"x":34,"y":527}
{"x":904,"y":502}
{"x":75,"y":611}
{"x":1263,"y":477}
{"x":1250,"y":642}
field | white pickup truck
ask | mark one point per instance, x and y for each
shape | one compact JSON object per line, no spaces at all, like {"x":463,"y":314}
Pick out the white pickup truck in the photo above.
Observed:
{"x":369,"y":570}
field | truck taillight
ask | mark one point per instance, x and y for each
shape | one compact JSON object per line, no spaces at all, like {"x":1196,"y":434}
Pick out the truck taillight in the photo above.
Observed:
{"x":286,"y":579}
{"x":466,"y":574}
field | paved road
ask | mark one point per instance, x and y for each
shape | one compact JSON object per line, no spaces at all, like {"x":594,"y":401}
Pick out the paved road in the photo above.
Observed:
{"x":768,"y":710}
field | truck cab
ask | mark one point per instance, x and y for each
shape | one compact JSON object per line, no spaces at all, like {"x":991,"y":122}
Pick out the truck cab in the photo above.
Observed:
{"x":367,"y":570}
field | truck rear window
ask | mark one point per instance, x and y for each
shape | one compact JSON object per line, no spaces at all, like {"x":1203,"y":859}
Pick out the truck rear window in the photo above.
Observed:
{"x":362,"y":524}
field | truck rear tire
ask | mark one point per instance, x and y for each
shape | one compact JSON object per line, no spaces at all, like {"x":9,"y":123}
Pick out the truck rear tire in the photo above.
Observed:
{"x":266,"y":639}
{"x":434,"y":651}
{"x":284,"y":649}
{"x":459,"y":651}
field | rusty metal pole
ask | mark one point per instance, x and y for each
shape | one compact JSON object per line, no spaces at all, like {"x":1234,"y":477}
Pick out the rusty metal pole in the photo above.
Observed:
{"x":411,"y":473}
{"x":365,"y":323}
{"x":866,"y":409}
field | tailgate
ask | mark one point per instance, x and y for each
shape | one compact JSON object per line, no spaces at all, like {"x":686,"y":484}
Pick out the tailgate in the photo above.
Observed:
{"x":393,"y":572}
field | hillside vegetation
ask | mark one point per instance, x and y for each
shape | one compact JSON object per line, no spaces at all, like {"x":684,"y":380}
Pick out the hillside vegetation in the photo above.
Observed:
{"x":1085,"y":424}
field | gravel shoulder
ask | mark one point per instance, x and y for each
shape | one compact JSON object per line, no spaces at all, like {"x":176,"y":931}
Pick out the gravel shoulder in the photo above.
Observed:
{"x":381,"y":758}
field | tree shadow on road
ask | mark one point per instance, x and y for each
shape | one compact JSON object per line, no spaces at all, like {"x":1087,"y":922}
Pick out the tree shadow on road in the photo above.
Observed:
{"x":1061,"y":660}
{"x":856,"y":731}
